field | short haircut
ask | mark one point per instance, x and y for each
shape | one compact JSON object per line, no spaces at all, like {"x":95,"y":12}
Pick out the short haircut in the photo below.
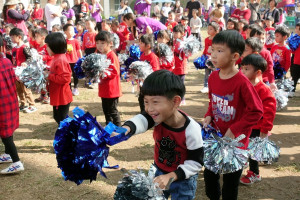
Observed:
{"x":235,"y":23}
{"x":185,"y":18}
{"x":257,"y":30}
{"x":65,"y":28}
{"x":232,"y":39}
{"x":163,"y":83}
{"x":107,"y":21}
{"x":128,"y":16}
{"x":274,"y":1}
{"x":215,"y":25}
{"x":283,"y":30}
{"x":42,"y":32}
{"x":255,"y":44}
{"x":171,"y":12}
{"x":298,"y":24}
{"x":16,"y":32}
{"x":56,"y":42}
{"x":270,"y":18}
{"x":147,"y":39}
{"x":104,"y":36}
{"x":11,"y":26}
{"x":80,"y":23}
{"x":57,"y":26}
{"x":179,"y":28}
{"x":255,"y":60}
{"x":90,"y":19}
{"x":195,"y":10}
{"x":154,"y":15}
{"x":115,"y":22}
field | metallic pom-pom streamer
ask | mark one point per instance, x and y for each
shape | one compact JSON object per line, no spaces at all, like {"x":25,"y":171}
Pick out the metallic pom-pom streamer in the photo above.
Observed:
{"x":270,"y":37}
{"x":293,"y":41}
{"x":165,"y":53}
{"x":190,"y":45}
{"x":116,"y":41}
{"x":140,"y":70}
{"x":122,"y":57}
{"x":281,"y":99}
{"x":200,"y":63}
{"x":77,"y":68}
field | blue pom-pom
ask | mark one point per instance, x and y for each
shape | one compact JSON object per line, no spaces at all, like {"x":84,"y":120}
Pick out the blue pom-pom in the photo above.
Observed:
{"x":209,"y":131}
{"x":278,"y":70}
{"x":135,"y":52}
{"x":155,"y":34}
{"x":200,"y":63}
{"x":293,"y":41}
{"x":77,"y":68}
{"x":128,"y":62}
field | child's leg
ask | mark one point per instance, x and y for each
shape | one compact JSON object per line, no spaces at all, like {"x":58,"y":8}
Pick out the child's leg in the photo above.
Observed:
{"x":28,"y":95}
{"x":20,"y":92}
{"x":75,"y":79}
{"x":253,"y":164}
{"x":185,"y":189}
{"x":10,"y":148}
{"x":105,"y":107}
{"x":212,"y":185}
{"x":295,"y":73}
{"x":231,"y":183}
{"x":207,"y":73}
{"x":60,"y":112}
{"x":114,"y":113}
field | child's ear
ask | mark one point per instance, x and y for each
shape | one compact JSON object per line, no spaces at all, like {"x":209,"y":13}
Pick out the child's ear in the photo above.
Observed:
{"x":258,"y":73}
{"x":176,"y":101}
{"x":236,"y":56}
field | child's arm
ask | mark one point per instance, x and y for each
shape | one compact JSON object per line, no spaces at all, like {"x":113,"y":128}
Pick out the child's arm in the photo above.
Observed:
{"x":62,"y":74}
{"x":209,"y":115}
{"x":269,"y":106}
{"x":77,"y":46}
{"x":287,"y":59}
{"x":139,"y":123}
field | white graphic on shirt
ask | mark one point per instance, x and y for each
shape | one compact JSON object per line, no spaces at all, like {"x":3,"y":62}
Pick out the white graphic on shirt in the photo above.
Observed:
{"x":221,"y":108}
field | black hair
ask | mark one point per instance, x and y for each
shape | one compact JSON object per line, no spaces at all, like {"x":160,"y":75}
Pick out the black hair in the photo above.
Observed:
{"x":255,"y":44}
{"x":163,"y":83}
{"x":298,"y":24}
{"x":66,"y":26}
{"x":37,"y":21}
{"x":167,"y":35}
{"x":171,"y":12}
{"x":41,"y":31}
{"x":284,"y":31}
{"x":115,"y":22}
{"x":215,"y":25}
{"x":147,"y":39}
{"x":68,"y":4}
{"x":235,"y":23}
{"x":128,"y":16}
{"x":270,"y":18}
{"x":57,"y":26}
{"x":184,"y":18}
{"x":56,"y":42}
{"x":255,"y":60}
{"x":81,"y":23}
{"x":104,"y":36}
{"x":154,"y":15}
{"x":233,"y":39}
{"x":1,"y":40}
{"x":32,"y":29}
{"x":257,"y":30}
{"x":16,"y":32}
{"x":179,"y":28}
{"x":90,"y":19}
{"x":274,"y":1}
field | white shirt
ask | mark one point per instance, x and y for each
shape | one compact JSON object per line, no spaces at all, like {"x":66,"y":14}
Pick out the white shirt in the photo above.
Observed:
{"x":195,"y":22}
{"x":49,"y":10}
{"x":165,"y":11}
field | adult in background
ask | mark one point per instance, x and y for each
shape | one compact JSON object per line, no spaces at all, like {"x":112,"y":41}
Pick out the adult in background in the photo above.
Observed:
{"x":96,"y":10}
{"x":193,"y":4}
{"x":232,"y":8}
{"x":243,"y":12}
{"x":77,"y":10}
{"x":67,"y":11}
{"x":226,"y":12}
{"x":156,"y":9}
{"x":52,"y":14}
{"x":272,"y":11}
{"x":123,"y":10}
{"x":12,"y":16}
{"x":254,"y":7}
{"x":165,"y":12}
{"x":141,"y":6}
{"x":38,"y":12}
{"x":297,"y":11}
{"x":178,"y":9}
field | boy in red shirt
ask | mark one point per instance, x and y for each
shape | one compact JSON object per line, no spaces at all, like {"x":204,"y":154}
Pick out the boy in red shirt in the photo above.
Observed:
{"x":80,"y":27}
{"x":281,"y":52}
{"x":234,"y":106}
{"x":89,"y":43}
{"x":115,"y":28}
{"x":73,"y":53}
{"x":269,"y":31}
{"x":19,"y":55}
{"x":295,"y":67}
{"x":109,"y":88}
{"x":171,"y":23}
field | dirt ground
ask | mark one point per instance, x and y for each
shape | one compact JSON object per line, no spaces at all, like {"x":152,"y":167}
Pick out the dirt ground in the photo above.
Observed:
{"x":42,"y":179}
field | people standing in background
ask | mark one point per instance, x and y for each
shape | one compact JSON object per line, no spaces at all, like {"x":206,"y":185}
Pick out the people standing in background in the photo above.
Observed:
{"x":165,"y":12}
{"x":282,"y":17}
{"x":52,"y":14}
{"x":272,"y":11}
{"x":123,"y":10}
{"x":141,"y":6}
{"x":297,"y":11}
{"x":156,"y":9}
{"x":38,"y":12}
{"x":243,"y":12}
{"x":67,"y":11}
{"x":178,"y":9}
{"x":232,"y":8}
{"x":254,"y":7}
{"x":77,"y":10}
{"x":226,"y":12}
{"x":96,"y":10}
{"x":193,"y":4}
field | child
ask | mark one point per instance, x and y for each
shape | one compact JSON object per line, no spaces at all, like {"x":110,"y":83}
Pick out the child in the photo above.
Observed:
{"x":56,"y":28}
{"x":73,"y":53}
{"x":38,"y":12}
{"x":59,"y":76}
{"x":89,"y":44}
{"x":124,"y":29}
{"x":171,"y":23}
{"x":80,"y":26}
{"x":212,"y":30}
{"x":20,"y":54}
{"x":109,"y":88}
{"x":164,"y":37}
{"x":196,"y":24}
{"x":269,"y":28}
{"x":234,"y":106}
{"x":9,"y":115}
{"x":31,"y":33}
{"x":233,"y":24}
{"x":116,"y":30}
{"x":243,"y":26}
{"x":84,"y":8}
{"x":175,"y":134}
{"x":179,"y":56}
{"x":8,"y":44}
{"x":106,"y":25}
{"x":295,"y":67}
{"x":184,"y":23}
{"x":281,"y":52}
{"x":253,"y":66}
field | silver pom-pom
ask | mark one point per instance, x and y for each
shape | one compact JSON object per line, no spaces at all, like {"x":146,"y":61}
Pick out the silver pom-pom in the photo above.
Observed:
{"x":165,"y":53}
{"x":270,"y":37}
{"x":190,"y":45}
{"x":223,"y":155}
{"x":140,"y":70}
{"x":263,"y":150}
{"x":96,"y":67}
{"x":122,"y":57}
{"x":281,"y":99}
{"x":116,"y":41}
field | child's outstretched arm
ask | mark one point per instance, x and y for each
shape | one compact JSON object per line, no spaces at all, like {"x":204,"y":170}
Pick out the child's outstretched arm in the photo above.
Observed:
{"x":139,"y":123}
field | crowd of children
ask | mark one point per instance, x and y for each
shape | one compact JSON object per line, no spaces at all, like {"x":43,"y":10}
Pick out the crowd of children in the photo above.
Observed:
{"x":241,"y":100}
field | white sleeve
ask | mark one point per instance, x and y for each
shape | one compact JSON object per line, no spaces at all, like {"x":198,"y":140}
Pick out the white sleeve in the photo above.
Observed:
{"x":140,"y":122}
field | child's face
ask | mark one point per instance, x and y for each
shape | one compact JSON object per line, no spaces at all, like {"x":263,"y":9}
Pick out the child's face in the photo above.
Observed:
{"x":230,"y":25}
{"x":221,"y":56}
{"x":211,"y":31}
{"x":194,"y":13}
{"x":171,"y":17}
{"x":248,"y":50}
{"x":268,"y":23}
{"x":114,"y":28}
{"x":162,"y":40}
{"x":184,"y":22}
{"x":16,"y":39}
{"x":54,"y":30}
{"x":90,"y":26}
{"x":70,"y":32}
{"x":105,"y":26}
{"x":249,"y":72}
{"x":144,"y":47}
{"x":261,"y":37}
{"x":297,"y":30}
{"x":279,"y":38}
{"x":7,"y":30}
{"x":39,"y":38}
{"x":241,"y":25}
{"x":178,"y":35}
{"x":79,"y":28}
{"x":103,"y":47}
{"x":50,"y":52}
{"x":160,"y":108}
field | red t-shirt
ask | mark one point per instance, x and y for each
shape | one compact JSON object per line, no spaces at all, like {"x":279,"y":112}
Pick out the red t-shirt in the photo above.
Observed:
{"x":207,"y":44}
{"x":110,"y":86}
{"x":152,"y":59}
{"x":241,"y":14}
{"x":32,"y":43}
{"x":84,"y":7}
{"x":268,"y":75}
{"x":234,"y":104}
{"x":171,"y":25}
{"x":42,"y":50}
{"x":180,"y":60}
{"x":123,"y":43}
{"x":72,"y":54}
{"x":123,"y":28}
{"x":37,"y":14}
{"x":187,"y":31}
{"x":244,"y":34}
{"x":18,"y":56}
{"x":269,"y":46}
{"x":89,"y":40}
{"x":282,"y":54}
{"x":297,"y":56}
{"x":265,"y":124}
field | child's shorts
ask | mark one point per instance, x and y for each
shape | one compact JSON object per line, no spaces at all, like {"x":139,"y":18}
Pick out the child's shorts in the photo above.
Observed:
{"x":181,"y":190}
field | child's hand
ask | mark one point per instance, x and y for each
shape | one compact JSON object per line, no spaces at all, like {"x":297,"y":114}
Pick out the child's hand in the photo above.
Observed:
{"x":163,"y":180}
{"x":229,"y":134}
{"x":206,"y":121}
{"x":273,"y":87}
{"x":126,"y":133}
{"x":263,"y":135}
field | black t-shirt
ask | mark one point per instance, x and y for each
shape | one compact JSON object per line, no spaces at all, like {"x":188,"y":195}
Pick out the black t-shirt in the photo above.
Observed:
{"x":77,"y":10}
{"x":192,"y":5}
